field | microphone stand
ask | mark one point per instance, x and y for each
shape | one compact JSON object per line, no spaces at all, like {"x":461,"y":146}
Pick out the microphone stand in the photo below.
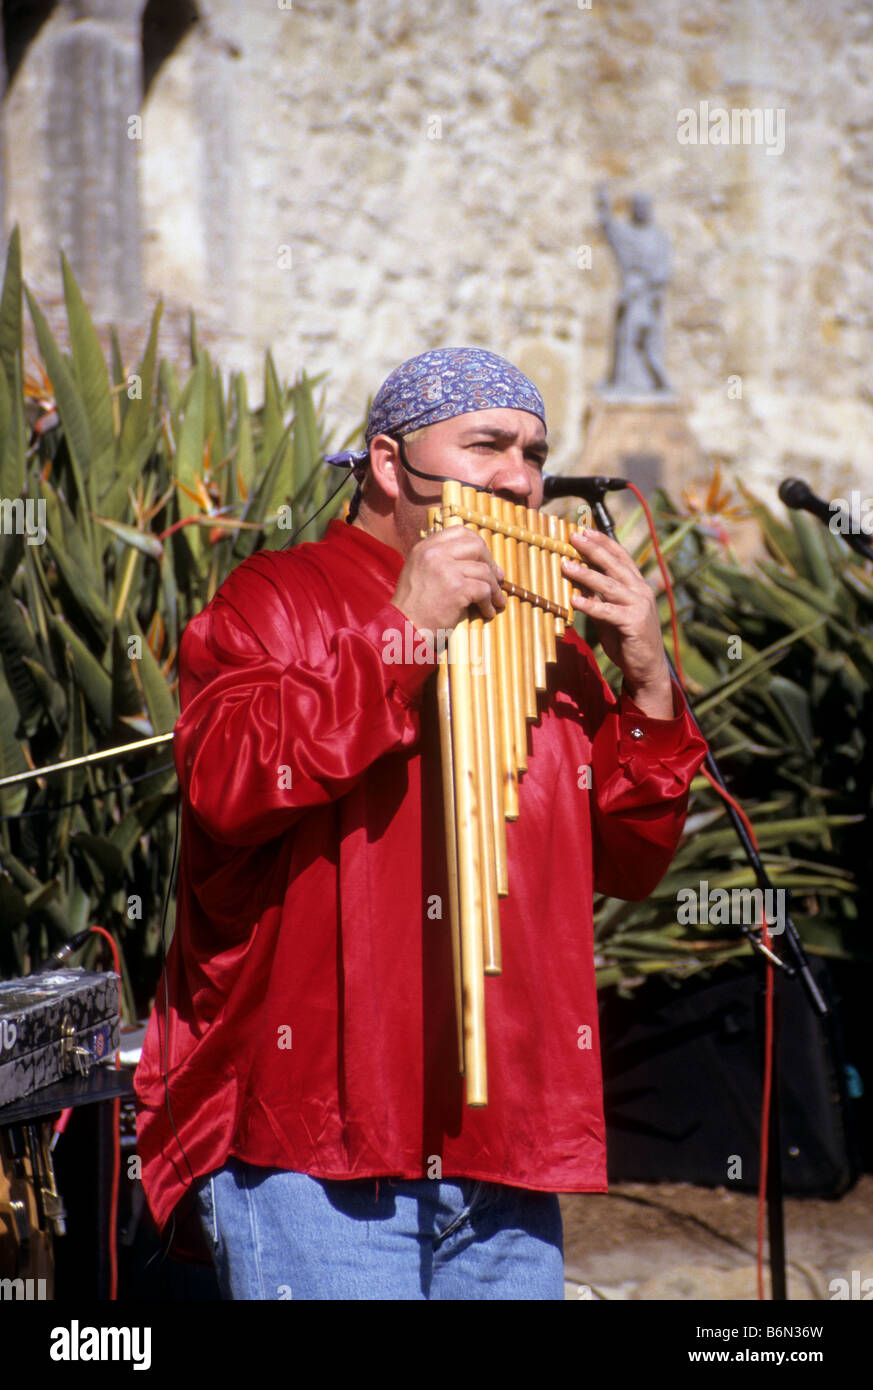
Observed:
{"x":862,"y":548}
{"x":795,"y":961}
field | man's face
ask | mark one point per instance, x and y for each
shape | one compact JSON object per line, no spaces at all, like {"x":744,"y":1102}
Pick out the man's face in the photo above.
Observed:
{"x":501,"y":449}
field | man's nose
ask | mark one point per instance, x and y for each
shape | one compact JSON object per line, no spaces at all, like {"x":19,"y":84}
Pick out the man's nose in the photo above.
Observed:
{"x":513,"y":478}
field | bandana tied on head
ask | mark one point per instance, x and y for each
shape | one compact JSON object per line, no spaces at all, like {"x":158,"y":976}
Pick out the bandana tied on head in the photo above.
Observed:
{"x":439,"y":385}
{"x":446,"y":382}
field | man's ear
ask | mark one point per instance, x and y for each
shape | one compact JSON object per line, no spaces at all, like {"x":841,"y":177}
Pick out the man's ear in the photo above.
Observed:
{"x":385,"y":464}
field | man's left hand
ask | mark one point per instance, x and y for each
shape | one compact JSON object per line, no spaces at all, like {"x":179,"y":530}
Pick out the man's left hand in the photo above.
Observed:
{"x":622,"y":606}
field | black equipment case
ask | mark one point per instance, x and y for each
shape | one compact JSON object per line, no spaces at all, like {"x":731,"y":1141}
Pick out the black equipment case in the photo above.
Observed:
{"x":54,"y":1024}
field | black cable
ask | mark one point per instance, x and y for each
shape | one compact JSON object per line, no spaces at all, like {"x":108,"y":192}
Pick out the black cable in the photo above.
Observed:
{"x":89,"y":796}
{"x":164,"y":1250}
{"x":302,"y":527}
{"x":356,"y":462}
{"x":166,"y":1066}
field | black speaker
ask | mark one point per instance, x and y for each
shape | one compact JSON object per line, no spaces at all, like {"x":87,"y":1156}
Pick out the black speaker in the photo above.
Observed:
{"x":683,"y":1070}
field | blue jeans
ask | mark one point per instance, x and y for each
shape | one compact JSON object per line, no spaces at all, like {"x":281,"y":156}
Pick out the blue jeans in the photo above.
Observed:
{"x":283,"y":1235}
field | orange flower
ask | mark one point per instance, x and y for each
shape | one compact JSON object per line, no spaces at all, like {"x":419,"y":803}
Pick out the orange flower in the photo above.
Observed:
{"x":711,"y":509}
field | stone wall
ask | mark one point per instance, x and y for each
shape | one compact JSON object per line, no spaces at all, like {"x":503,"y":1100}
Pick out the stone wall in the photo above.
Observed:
{"x":351,"y":182}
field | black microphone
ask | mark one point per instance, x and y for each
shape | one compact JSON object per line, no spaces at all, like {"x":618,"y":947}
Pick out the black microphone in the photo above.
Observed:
{"x":795,"y":493}
{"x":592,"y":489}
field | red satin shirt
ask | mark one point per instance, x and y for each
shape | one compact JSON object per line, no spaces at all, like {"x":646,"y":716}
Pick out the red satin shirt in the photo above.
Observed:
{"x":312,"y":1020}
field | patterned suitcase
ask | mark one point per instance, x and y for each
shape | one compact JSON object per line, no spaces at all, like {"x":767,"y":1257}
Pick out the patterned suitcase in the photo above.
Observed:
{"x":54,"y":1024}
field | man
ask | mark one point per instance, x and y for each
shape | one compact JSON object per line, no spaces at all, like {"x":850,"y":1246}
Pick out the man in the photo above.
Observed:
{"x":313,"y":1100}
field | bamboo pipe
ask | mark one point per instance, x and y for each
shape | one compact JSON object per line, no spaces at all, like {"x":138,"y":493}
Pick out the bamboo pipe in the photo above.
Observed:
{"x":548,"y":590}
{"x":566,"y":585}
{"x":518,"y":518}
{"x":502,"y":652}
{"x":555,"y":563}
{"x":486,"y":786}
{"x":527,"y":518}
{"x":444,"y":710}
{"x":518,"y":650}
{"x":444,"y":703}
{"x":469,"y":878}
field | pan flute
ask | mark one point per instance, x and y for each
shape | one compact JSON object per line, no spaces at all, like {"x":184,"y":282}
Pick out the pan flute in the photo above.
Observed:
{"x":487,"y":683}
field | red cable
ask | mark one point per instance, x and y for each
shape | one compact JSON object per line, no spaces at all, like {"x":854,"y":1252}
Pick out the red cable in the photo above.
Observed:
{"x":765,"y":1108}
{"x":116,"y":1136}
{"x":668,"y":587}
{"x":764,"y":1138}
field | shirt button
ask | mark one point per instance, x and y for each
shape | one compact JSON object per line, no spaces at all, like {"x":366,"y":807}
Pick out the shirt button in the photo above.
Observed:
{"x":636,"y":733}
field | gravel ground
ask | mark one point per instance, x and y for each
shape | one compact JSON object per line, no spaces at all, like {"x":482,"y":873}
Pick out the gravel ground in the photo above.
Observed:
{"x":673,"y":1241}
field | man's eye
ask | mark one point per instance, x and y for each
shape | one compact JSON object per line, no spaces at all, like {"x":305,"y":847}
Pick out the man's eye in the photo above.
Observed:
{"x":534,"y":458}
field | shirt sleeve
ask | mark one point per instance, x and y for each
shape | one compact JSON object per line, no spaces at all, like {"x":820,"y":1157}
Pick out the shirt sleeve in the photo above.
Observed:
{"x":264,"y":733}
{"x":642,"y":770}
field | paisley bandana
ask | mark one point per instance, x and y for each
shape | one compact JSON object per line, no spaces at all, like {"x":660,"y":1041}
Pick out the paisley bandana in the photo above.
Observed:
{"x":435,"y":386}
{"x":446,"y":382}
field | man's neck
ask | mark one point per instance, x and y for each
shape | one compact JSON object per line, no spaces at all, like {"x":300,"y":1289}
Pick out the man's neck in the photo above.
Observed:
{"x":382,"y":527}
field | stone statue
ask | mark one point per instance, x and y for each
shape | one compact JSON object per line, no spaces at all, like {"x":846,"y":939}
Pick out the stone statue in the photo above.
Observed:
{"x":643,"y":254}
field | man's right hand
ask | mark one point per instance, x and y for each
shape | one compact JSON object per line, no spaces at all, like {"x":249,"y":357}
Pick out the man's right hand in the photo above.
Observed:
{"x":444,"y":574}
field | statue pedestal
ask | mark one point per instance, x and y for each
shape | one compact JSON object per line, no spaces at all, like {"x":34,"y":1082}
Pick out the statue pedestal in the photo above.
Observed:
{"x":645,"y":439}
{"x":648,"y":441}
